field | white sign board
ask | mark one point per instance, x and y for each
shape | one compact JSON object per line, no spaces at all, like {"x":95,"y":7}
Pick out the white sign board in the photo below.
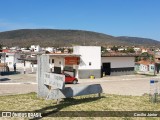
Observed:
{"x":54,"y":80}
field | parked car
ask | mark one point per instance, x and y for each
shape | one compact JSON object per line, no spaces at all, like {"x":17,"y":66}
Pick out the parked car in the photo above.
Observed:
{"x":70,"y":79}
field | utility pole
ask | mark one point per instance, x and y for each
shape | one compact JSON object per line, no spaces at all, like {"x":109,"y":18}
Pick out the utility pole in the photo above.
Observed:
{"x":154,"y":62}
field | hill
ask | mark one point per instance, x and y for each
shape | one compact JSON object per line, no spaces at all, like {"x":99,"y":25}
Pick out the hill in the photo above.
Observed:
{"x":139,"y":41}
{"x":54,"y":37}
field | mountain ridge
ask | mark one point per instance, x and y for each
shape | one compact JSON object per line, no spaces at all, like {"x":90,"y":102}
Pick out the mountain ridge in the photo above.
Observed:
{"x":57,"y":37}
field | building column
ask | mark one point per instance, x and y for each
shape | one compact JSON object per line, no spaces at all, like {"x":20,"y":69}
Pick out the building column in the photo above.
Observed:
{"x":62,"y":64}
{"x":32,"y":67}
{"x":76,"y":68}
{"x":24,"y":69}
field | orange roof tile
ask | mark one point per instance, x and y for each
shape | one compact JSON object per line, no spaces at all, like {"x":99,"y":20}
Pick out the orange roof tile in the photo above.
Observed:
{"x":145,"y":62}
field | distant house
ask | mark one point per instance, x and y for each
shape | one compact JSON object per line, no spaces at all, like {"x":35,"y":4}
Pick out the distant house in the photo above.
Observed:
{"x":66,"y":50}
{"x":10,"y":58}
{"x":35,"y":48}
{"x":137,"y":49}
{"x":108,"y":49}
{"x":122,"y":49}
{"x":50,"y":49}
{"x":144,"y":50}
{"x":15,"y":48}
{"x":144,"y":66}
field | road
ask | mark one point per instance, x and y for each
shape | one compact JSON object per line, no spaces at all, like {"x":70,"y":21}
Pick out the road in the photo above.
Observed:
{"x":135,"y":85}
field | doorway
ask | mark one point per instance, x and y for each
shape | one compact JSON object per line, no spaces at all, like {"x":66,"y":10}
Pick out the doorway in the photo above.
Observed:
{"x":106,"y":68}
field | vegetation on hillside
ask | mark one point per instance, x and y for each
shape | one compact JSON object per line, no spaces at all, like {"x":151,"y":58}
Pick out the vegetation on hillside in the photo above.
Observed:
{"x":57,"y":38}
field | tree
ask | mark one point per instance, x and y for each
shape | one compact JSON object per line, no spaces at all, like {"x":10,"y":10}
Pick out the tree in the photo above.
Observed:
{"x":146,"y":56}
{"x":61,"y":49}
{"x":70,"y":50}
{"x":130,"y":50}
{"x":103,"y":49}
{"x":28,"y":48}
{"x":114,"y":48}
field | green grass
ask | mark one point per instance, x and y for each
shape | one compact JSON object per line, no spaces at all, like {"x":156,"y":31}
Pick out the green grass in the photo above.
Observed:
{"x":30,"y":102}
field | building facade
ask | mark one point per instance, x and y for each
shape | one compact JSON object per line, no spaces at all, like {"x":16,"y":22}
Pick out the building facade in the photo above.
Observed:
{"x":90,"y":61}
{"x":117,"y":65}
{"x":87,"y":61}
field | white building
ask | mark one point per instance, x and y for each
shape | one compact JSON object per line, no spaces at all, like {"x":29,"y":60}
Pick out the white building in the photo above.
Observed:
{"x":15,"y":48}
{"x":11,"y":58}
{"x":121,"y":49}
{"x":144,"y":66}
{"x":50,"y":49}
{"x":144,"y":50}
{"x":117,"y":65}
{"x":87,"y":61}
{"x":90,"y":61}
{"x":35,"y":48}
{"x":136,"y":49}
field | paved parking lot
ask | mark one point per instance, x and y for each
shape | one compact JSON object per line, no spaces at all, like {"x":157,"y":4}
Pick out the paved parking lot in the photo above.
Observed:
{"x":123,"y":85}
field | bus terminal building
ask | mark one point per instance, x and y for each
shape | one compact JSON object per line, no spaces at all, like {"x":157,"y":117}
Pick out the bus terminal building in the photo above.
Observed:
{"x":87,"y":61}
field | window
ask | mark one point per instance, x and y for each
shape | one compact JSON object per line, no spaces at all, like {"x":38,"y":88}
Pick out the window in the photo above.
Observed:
{"x":52,"y":60}
{"x":89,"y":63}
{"x":60,"y":62}
{"x":152,"y":67}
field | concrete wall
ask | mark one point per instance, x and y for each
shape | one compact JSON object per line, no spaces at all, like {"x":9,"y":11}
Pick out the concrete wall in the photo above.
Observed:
{"x":83,"y":74}
{"x":119,"y":62}
{"x":88,"y":54}
{"x":43,"y":66}
{"x":120,"y":65}
{"x":90,"y":60}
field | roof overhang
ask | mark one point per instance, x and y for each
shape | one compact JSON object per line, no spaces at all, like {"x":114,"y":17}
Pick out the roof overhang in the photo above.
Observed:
{"x":119,"y":56}
{"x":28,"y":59}
{"x":63,"y":55}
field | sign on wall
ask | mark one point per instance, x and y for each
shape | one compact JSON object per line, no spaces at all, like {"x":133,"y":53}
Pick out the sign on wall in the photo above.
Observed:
{"x":72,"y":60}
{"x":54,"y":80}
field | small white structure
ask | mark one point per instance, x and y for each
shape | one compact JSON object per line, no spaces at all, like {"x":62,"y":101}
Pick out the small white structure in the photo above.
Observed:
{"x":14,"y":48}
{"x":11,"y":58}
{"x":35,"y":48}
{"x":25,"y":50}
{"x":144,"y":66}
{"x":66,"y":50}
{"x":50,"y":49}
{"x":144,"y":50}
{"x":5,"y":47}
{"x":108,"y":49}
{"x":121,"y":49}
{"x":136,"y":49}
